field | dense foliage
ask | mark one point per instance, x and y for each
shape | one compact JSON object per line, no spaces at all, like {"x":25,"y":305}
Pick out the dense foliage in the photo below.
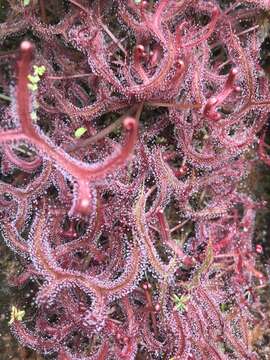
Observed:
{"x":127,"y":129}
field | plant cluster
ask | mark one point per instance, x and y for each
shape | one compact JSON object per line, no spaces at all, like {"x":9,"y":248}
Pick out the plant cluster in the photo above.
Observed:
{"x":130,"y":128}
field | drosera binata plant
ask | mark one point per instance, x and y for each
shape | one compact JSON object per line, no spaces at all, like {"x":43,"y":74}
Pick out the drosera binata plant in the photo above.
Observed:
{"x":149,"y":117}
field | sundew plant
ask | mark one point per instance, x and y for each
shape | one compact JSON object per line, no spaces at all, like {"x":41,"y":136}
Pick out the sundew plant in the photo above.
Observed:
{"x":128,"y":129}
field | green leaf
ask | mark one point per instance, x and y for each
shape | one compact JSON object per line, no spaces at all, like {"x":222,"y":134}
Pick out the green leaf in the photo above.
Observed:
{"x":180,"y":302}
{"x":16,"y":314}
{"x":225,"y":307}
{"x":39,"y":70}
{"x":26,"y":2}
{"x":79,"y":132}
{"x":32,"y":87}
{"x":34,"y":79}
